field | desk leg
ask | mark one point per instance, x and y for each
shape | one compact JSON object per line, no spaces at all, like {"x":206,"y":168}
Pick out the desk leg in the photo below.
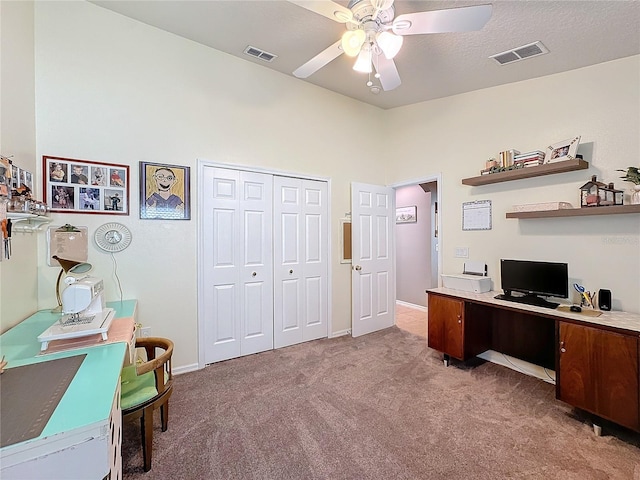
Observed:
{"x":446,"y":360}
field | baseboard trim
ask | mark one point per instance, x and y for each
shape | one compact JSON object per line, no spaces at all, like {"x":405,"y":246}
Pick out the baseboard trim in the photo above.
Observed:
{"x":340,"y":333}
{"x":411,"y":305}
{"x":185,"y":369}
{"x":519,"y":365}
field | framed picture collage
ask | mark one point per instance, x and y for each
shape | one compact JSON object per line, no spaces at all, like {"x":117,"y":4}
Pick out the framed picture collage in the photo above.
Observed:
{"x":84,"y":186}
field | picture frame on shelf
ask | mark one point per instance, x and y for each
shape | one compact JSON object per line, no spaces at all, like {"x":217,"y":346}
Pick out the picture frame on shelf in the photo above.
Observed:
{"x":164,"y":192}
{"x":564,"y":150}
{"x":407,"y":214}
{"x":84,"y":186}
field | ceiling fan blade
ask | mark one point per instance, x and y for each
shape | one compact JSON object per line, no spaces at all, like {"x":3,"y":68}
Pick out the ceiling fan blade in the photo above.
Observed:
{"x":327,"y":8}
{"x":389,"y":76}
{"x":463,"y":19}
{"x":319,"y":61}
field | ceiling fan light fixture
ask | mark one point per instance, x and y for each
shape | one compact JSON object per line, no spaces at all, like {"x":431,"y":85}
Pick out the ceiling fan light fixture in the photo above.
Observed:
{"x":343,"y":17}
{"x":352,"y":41}
{"x":389,"y":43}
{"x":363,"y":63}
{"x":381,"y":4}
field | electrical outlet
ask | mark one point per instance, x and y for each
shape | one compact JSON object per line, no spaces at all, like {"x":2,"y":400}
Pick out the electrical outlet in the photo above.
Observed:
{"x":145,"y":332}
{"x":462,"y":252}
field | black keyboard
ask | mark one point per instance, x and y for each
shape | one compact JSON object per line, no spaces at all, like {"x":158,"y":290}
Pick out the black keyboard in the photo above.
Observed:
{"x":528,"y":300}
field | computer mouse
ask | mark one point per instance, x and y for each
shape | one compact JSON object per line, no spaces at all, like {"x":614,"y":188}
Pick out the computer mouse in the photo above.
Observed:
{"x":575,"y":308}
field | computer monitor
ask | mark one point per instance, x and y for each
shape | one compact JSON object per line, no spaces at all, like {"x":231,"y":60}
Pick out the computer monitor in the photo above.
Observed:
{"x":534,"y":279}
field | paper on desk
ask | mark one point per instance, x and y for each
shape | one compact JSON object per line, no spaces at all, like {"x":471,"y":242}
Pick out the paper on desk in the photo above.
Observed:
{"x":473,"y":267}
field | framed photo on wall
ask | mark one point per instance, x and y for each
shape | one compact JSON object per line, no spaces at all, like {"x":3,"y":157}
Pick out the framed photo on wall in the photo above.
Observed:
{"x":164,"y":192}
{"x":83,"y":186}
{"x":407,"y":214}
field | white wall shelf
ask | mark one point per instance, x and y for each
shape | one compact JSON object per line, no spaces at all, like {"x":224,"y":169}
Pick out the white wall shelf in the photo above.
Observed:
{"x":27,"y":222}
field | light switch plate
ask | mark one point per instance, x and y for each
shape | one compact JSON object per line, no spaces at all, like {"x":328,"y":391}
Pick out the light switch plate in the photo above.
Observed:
{"x":462,"y":252}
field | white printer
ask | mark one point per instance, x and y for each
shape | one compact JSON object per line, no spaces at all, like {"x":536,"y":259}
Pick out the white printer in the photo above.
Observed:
{"x":473,"y":279}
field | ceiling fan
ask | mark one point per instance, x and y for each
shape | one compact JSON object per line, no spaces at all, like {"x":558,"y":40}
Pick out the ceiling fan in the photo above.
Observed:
{"x":374,"y":36}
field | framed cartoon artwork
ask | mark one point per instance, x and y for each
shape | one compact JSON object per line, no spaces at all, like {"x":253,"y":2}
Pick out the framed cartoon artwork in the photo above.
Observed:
{"x":83,"y":186}
{"x":164,"y":192}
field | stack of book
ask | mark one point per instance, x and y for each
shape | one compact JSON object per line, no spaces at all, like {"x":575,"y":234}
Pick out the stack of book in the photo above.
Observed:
{"x":507,"y":157}
{"x":529,"y":159}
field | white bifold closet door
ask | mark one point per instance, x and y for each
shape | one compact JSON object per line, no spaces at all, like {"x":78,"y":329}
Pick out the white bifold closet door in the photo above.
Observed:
{"x":238,"y":255}
{"x":300,"y":260}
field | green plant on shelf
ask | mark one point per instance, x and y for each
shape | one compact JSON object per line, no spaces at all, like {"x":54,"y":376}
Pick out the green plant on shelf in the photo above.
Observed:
{"x":632,"y":174}
{"x":516,"y":166}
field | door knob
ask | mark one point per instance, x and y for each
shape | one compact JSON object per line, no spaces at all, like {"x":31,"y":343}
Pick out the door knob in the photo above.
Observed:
{"x":253,"y":274}
{"x":290,"y":272}
{"x":357,"y":268}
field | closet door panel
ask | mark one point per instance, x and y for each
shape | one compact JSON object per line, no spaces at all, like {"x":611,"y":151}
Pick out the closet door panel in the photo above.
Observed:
{"x":316,"y":255}
{"x":221,"y":257}
{"x":238,"y":273}
{"x":288,"y":255}
{"x":256,"y":272}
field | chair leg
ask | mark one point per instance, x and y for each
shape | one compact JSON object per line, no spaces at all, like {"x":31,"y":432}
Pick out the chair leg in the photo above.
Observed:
{"x":164,"y":415}
{"x":147,"y":437}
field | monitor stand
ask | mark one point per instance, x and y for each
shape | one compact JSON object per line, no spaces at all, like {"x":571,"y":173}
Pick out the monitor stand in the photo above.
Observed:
{"x":529,"y":299}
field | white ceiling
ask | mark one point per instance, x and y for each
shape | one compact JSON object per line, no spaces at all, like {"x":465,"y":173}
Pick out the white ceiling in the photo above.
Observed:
{"x":578,"y":33}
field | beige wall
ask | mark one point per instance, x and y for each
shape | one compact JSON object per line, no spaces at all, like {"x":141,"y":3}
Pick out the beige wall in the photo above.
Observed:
{"x":115,"y":90}
{"x":18,"y":276}
{"x":454,"y":136}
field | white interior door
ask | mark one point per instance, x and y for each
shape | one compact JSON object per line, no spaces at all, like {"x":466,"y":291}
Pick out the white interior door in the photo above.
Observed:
{"x":300,"y":260}
{"x":238,"y":271}
{"x":373,"y":270}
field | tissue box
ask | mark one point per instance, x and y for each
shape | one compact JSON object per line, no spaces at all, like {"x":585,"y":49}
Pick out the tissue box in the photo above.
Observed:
{"x":468,"y":283}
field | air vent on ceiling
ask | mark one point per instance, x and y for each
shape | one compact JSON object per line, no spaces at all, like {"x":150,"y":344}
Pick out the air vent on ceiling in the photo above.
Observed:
{"x":520,"y":53}
{"x":261,"y":54}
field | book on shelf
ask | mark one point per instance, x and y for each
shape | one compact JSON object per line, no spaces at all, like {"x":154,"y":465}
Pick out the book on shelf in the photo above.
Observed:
{"x":529,"y":162}
{"x":507,"y":157}
{"x":533,"y":154}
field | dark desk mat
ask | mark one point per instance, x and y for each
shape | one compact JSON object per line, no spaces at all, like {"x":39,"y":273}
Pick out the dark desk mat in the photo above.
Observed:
{"x":30,"y":394}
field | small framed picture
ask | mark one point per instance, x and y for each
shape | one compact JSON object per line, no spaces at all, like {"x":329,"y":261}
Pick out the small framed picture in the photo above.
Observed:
{"x":83,"y":186}
{"x":164,"y":192}
{"x":565,"y":150}
{"x":406,"y":214}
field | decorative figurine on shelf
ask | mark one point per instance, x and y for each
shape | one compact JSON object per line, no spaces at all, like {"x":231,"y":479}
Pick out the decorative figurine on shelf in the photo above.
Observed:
{"x":632,"y":174}
{"x":598,"y":194}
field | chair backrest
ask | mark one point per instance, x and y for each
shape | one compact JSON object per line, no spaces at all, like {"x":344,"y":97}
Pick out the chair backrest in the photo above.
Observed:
{"x":161,"y":365}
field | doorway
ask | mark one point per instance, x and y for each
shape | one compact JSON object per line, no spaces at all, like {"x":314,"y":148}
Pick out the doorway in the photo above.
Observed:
{"x":418,"y":258}
{"x":374,"y":250}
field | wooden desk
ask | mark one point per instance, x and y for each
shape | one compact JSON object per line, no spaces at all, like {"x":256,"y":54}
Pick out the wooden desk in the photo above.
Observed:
{"x":82,"y":437}
{"x":596,"y":359}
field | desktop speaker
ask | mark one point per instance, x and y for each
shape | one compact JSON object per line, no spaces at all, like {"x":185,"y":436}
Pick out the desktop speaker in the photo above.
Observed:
{"x":604,"y":299}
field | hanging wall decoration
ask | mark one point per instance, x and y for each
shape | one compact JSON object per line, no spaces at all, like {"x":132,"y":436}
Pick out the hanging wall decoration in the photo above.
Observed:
{"x":164,"y":192}
{"x":82,"y":186}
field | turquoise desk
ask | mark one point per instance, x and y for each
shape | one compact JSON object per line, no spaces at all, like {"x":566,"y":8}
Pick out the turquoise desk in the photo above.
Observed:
{"x":81,"y":440}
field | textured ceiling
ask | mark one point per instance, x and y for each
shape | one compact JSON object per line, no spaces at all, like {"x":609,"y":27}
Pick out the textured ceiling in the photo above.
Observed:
{"x":578,"y":33}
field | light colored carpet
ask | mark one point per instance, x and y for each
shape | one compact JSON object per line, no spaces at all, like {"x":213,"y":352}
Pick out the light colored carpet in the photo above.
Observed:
{"x":381,"y":406}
